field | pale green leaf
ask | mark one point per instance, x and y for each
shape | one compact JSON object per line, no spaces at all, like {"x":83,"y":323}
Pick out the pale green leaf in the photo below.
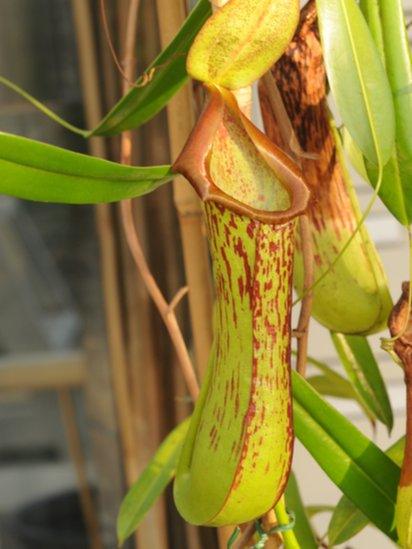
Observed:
{"x":357,"y":78}
{"x":347,"y":520}
{"x":36,"y":171}
{"x":363,"y":372}
{"x":353,"y":462}
{"x":151,"y":483}
{"x":303,"y":529}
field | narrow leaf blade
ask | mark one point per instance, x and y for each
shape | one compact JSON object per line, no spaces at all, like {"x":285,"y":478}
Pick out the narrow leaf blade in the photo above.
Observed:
{"x":387,"y":25}
{"x":363,"y":371}
{"x":347,"y":520}
{"x":399,"y":69}
{"x":166,"y":75}
{"x":151,"y":483}
{"x":334,"y":385}
{"x":36,"y":171}
{"x":351,"y":56}
{"x":353,"y":462}
{"x":303,"y":529}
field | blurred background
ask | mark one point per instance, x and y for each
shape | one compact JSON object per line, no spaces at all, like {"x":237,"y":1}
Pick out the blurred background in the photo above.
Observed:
{"x":88,"y":382}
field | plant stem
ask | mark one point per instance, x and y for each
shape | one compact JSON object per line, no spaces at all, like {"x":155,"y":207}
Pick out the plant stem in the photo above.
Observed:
{"x":181,"y":119}
{"x":165,"y":310}
{"x":42,"y":107}
{"x":306,"y":306}
{"x":293,"y":148}
{"x":289,"y":538}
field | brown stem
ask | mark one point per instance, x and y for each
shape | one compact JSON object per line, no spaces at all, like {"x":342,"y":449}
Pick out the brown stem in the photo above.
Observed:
{"x":92,"y":96}
{"x":403,"y":348}
{"x":126,"y":73}
{"x":306,"y":306}
{"x":244,"y":538}
{"x":165,"y":309}
{"x":178,"y":297}
{"x":286,"y":130}
{"x":162,"y":305}
{"x":292,"y":146}
{"x":181,"y":118}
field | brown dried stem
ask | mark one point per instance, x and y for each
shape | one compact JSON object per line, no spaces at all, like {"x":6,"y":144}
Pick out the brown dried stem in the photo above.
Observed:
{"x":164,"y":308}
{"x":292,"y":145}
{"x":181,"y":119}
{"x":127,"y":72}
{"x":302,"y":331}
{"x":400,"y":326}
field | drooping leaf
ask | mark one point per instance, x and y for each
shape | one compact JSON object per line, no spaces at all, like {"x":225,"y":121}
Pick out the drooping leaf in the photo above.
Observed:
{"x":313,"y":510}
{"x":36,"y":171}
{"x":363,"y":372}
{"x":42,"y":107}
{"x":385,"y":19}
{"x":151,"y":483}
{"x":331,"y":383}
{"x":303,"y":529}
{"x":353,"y":462}
{"x":327,"y":386}
{"x":396,"y":187}
{"x":347,"y":520}
{"x":164,"y":77}
{"x":399,"y":69}
{"x":241,"y":41}
{"x":357,"y":78}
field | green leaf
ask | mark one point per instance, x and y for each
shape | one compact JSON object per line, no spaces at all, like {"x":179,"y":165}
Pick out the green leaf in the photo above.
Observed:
{"x":337,"y":387}
{"x":313,"y":510}
{"x":36,"y":171}
{"x":399,"y":69}
{"x":396,"y":188}
{"x":42,"y":107}
{"x":386,"y":22}
{"x":334,"y":385}
{"x":303,"y":530}
{"x":347,"y":520}
{"x":151,"y":483}
{"x":352,"y":461}
{"x":363,"y":372}
{"x":357,"y":78}
{"x":166,"y":75}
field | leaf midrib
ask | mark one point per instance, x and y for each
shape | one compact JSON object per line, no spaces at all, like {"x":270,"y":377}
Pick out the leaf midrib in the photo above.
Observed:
{"x":108,"y":179}
{"x":364,"y":94}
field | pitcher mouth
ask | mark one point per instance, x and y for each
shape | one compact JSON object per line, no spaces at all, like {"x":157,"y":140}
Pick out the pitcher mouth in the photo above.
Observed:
{"x":194,"y":162}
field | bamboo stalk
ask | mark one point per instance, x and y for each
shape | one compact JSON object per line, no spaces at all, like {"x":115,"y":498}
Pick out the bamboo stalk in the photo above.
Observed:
{"x":181,"y":119}
{"x":75,"y":449}
{"x":93,"y":108}
{"x":145,"y":382}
